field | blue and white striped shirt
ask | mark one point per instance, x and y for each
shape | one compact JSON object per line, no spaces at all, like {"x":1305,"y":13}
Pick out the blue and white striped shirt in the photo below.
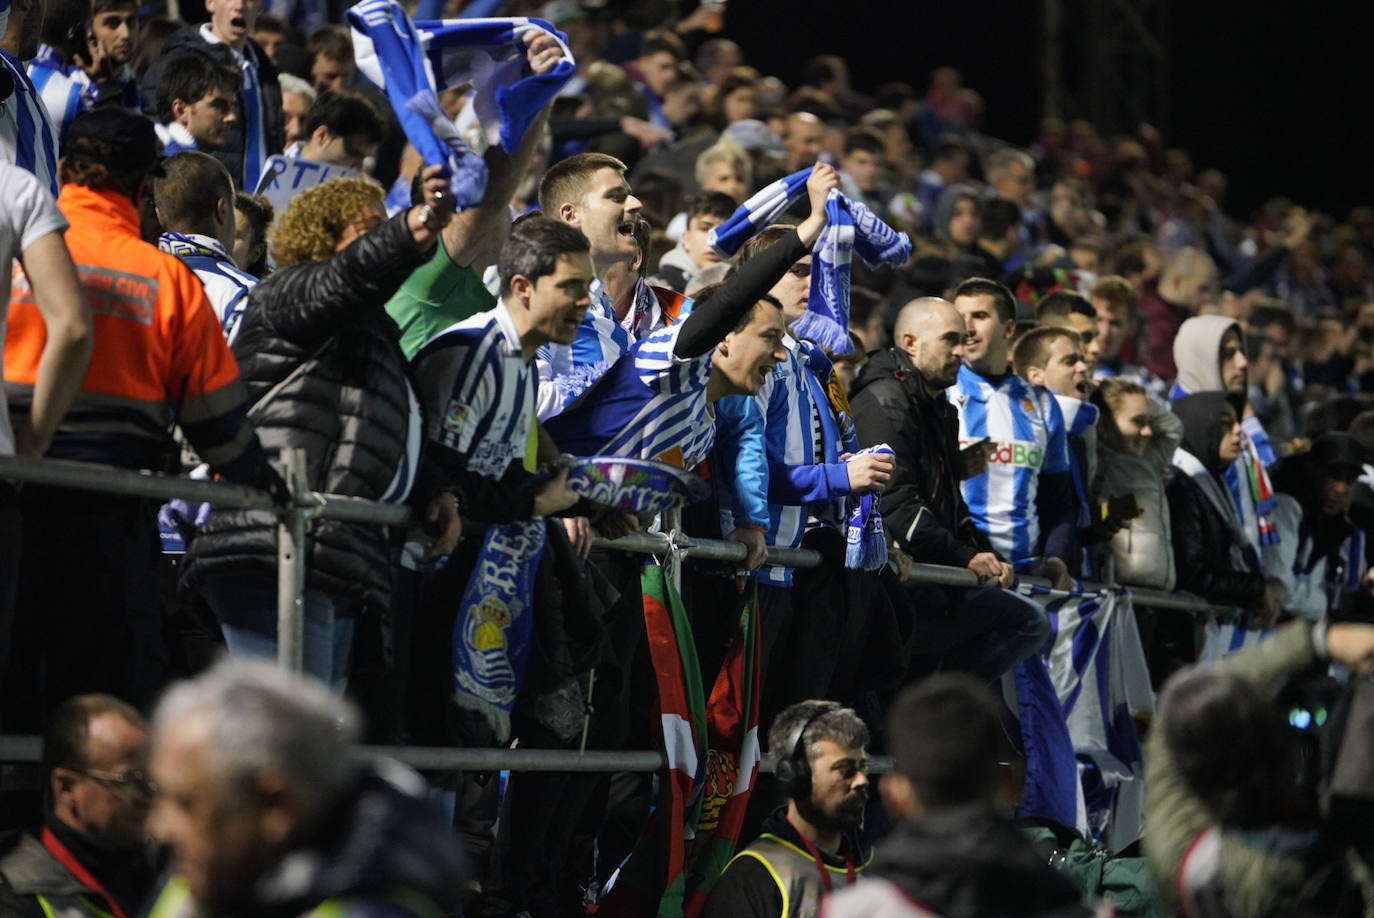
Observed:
{"x":254,"y":132}
{"x":806,"y":480}
{"x":568,"y":370}
{"x":64,"y":88}
{"x":1027,"y":430}
{"x":28,"y":138}
{"x":481,"y":391}
{"x":650,"y":404}
{"x":226,"y":287}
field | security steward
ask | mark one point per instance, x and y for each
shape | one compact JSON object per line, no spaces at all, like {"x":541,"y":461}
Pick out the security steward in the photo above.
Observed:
{"x":810,"y":846}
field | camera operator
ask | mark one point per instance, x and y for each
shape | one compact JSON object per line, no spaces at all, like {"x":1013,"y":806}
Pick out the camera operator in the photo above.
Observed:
{"x":1231,"y":801}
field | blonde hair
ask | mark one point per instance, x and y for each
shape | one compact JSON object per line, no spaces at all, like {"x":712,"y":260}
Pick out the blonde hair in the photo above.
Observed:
{"x":310,"y":227}
{"x":725,"y":150}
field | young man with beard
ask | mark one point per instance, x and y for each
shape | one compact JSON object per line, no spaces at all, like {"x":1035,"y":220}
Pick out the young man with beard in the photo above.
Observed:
{"x":811,"y":846}
{"x":899,"y":399}
{"x":113,"y":44}
{"x":1023,"y":500}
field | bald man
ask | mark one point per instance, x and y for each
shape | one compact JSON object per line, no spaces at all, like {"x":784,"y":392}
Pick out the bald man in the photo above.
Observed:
{"x":801,"y":138}
{"x":899,"y":399}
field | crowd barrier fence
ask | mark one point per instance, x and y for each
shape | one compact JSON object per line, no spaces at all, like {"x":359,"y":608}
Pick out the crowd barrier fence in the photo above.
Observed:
{"x":294,"y":521}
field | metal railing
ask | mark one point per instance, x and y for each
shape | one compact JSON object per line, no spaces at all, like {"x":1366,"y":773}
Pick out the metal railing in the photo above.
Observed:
{"x":293,"y":527}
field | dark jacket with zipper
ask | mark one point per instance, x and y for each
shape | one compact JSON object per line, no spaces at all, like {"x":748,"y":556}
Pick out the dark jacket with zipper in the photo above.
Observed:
{"x":922,"y":506}
{"x":190,"y":41}
{"x":349,"y":411}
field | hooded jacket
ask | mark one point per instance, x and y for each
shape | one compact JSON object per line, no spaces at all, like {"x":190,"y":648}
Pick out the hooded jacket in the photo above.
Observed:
{"x":1325,"y":556}
{"x":1143,"y":549}
{"x":922,"y":507}
{"x":1197,"y":353}
{"x":1209,"y":546}
{"x":384,"y":853}
{"x":944,"y":209}
{"x":958,"y":863}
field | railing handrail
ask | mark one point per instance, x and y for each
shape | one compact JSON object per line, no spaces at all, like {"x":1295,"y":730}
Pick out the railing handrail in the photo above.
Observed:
{"x":29,"y":750}
{"x":309,"y":505}
{"x":159,"y":486}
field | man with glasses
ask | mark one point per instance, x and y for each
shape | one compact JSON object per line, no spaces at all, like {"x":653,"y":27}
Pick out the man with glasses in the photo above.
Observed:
{"x":91,"y":856}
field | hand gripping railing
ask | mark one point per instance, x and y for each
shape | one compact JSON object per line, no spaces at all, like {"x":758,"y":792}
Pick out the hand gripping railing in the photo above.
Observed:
{"x":293,"y":526}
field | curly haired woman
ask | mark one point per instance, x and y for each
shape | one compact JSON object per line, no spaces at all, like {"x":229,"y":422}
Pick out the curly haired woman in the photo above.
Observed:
{"x":321,"y":361}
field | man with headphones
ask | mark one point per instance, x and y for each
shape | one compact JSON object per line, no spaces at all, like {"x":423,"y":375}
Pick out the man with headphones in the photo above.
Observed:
{"x":811,"y":846}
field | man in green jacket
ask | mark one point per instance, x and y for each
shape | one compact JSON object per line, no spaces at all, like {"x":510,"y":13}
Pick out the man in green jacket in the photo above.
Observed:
{"x":1230,"y":828}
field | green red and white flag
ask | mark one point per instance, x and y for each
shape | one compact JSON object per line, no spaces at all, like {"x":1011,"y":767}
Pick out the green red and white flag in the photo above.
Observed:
{"x":712,"y":752}
{"x":732,"y":759}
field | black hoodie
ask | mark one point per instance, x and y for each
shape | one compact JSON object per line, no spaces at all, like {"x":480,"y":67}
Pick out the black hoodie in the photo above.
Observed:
{"x":965,"y":862}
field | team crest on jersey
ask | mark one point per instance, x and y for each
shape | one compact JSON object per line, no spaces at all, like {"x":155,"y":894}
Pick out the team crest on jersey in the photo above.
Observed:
{"x":1027,"y":405}
{"x":455,"y":415}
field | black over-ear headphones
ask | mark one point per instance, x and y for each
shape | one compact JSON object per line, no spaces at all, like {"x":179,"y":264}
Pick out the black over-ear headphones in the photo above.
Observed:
{"x":794,"y":771}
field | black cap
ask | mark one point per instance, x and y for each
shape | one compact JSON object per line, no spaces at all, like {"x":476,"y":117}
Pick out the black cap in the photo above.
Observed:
{"x":131,"y":140}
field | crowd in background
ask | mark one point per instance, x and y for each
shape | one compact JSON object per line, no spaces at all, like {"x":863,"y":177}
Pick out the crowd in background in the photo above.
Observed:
{"x":1081,"y":365}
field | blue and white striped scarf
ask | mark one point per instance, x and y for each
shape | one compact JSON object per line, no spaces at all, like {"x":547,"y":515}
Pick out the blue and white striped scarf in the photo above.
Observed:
{"x":865,"y":540}
{"x":413,"y":61}
{"x":850,"y":228}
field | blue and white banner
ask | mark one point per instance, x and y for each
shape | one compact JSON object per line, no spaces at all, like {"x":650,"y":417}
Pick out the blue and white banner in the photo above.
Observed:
{"x":633,"y":485}
{"x":491,"y":636}
{"x":1098,"y":668}
{"x":851,"y":228}
{"x":1053,"y":788}
{"x":283,"y":177}
{"x":411,"y":62}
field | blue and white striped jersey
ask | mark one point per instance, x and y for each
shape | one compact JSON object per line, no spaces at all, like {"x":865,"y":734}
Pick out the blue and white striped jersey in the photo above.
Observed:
{"x":567,"y":370}
{"x":650,"y":405}
{"x":65,"y":94}
{"x":27,"y":136}
{"x":1027,"y":430}
{"x":480,"y":390}
{"x":803,"y":440}
{"x":254,"y":133}
{"x":226,"y":287}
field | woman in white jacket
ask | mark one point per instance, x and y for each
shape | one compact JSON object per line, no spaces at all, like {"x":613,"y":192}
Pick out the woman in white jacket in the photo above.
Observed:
{"x":1137,"y":437}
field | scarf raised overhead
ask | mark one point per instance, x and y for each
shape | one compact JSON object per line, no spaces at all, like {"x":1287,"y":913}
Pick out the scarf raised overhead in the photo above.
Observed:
{"x":411,"y":62}
{"x":850,"y":228}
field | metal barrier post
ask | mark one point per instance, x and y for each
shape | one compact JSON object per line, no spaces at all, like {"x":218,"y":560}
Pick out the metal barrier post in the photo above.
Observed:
{"x":292,"y":529}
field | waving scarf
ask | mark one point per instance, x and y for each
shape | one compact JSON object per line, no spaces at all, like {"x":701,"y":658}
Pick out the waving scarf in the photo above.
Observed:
{"x":411,"y":64}
{"x":850,"y":228}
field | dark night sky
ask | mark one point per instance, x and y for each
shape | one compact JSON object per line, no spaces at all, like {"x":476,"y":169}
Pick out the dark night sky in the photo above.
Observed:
{"x":1277,"y":94}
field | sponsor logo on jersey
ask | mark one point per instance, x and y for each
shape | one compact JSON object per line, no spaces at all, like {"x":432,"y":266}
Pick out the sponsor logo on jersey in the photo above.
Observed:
{"x":1026,"y":454}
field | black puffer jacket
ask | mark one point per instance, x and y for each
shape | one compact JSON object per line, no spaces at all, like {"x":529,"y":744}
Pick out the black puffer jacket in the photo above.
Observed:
{"x":922,"y":506}
{"x":190,"y":41}
{"x":349,"y":410}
